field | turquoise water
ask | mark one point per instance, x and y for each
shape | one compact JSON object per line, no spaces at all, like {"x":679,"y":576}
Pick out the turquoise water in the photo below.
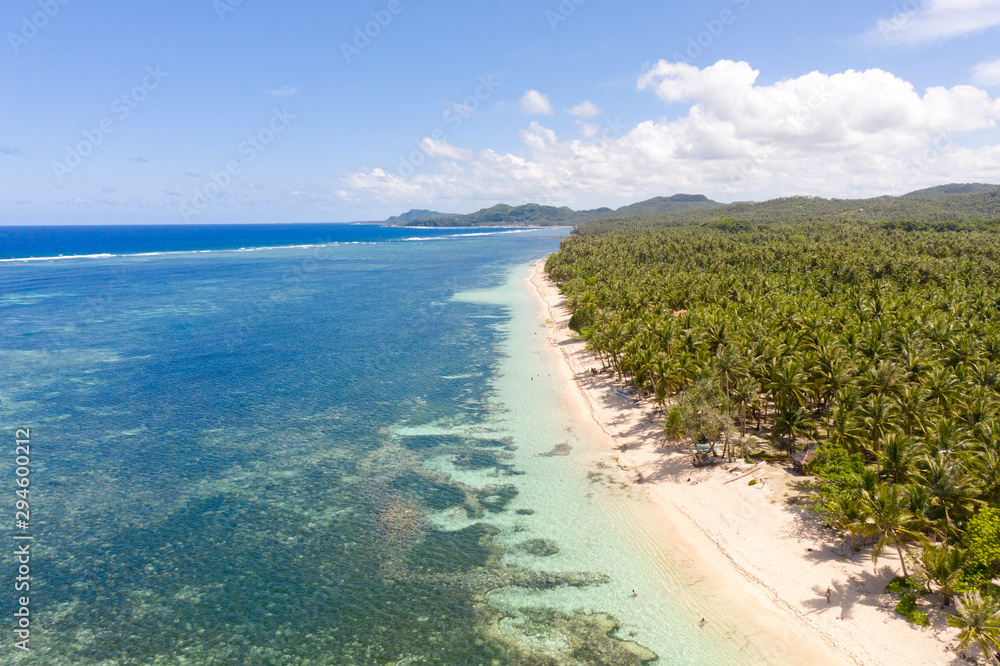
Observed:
{"x":319,"y":455}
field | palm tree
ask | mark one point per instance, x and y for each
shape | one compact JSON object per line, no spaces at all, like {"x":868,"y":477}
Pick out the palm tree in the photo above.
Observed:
{"x":887,"y":517}
{"x":987,"y":466}
{"x":896,"y":458}
{"x":844,"y":429}
{"x":788,"y":383}
{"x":950,"y":486}
{"x":745,"y":395}
{"x":979,"y":620}
{"x":729,"y":365}
{"x":884,"y":379}
{"x":941,"y":565}
{"x":846,"y":514}
{"x":911,"y":409}
{"x":791,"y":423}
{"x":942,"y":389}
{"x":876,"y":418}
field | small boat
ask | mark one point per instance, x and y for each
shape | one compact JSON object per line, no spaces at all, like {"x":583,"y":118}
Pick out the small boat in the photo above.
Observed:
{"x":621,"y":393}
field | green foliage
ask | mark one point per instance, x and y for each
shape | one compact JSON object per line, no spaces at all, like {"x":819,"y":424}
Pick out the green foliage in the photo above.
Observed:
{"x":730,"y":225}
{"x":900,"y":586}
{"x":941,"y":566}
{"x":673,"y":427}
{"x":700,"y":417}
{"x":834,"y":463}
{"x":583,"y":319}
{"x":982,"y":536}
{"x":978,"y":618}
{"x":953,"y":188}
{"x":907,"y":607}
{"x":949,"y":225}
{"x":880,"y":342}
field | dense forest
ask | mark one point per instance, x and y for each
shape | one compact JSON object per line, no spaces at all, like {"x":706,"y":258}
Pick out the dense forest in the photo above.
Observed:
{"x":871,"y":336}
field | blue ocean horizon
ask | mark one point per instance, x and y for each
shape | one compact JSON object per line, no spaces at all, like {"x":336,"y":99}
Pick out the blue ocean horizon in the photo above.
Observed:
{"x":45,"y":242}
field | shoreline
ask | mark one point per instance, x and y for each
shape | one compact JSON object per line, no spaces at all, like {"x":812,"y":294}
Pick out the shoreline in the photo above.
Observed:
{"x":778,"y":554}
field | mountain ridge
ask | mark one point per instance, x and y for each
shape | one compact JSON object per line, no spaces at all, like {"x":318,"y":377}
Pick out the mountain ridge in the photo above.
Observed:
{"x":533,"y":214}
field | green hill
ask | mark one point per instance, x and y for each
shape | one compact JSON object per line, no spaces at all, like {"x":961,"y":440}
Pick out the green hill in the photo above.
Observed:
{"x":936,"y":208}
{"x":532,"y":214}
{"x":952,"y":188}
{"x":414,"y":214}
{"x":676,"y":203}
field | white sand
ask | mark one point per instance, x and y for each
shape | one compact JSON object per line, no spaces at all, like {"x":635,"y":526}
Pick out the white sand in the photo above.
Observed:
{"x":778,"y":553}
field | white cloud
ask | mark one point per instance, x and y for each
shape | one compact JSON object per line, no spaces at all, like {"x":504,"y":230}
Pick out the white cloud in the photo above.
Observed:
{"x":987,"y":73}
{"x":931,"y":20}
{"x":434,"y":148}
{"x":536,"y":104}
{"x":589,"y":130}
{"x":846,"y":134}
{"x":585,"y":109}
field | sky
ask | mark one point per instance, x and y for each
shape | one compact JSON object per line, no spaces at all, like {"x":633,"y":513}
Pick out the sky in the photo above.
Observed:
{"x":249,"y":111}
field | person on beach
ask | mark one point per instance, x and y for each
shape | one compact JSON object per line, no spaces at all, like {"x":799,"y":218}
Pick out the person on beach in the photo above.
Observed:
{"x":634,"y":593}
{"x":703,"y":621}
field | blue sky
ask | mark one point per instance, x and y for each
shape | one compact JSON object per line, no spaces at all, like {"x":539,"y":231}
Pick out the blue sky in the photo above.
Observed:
{"x":218,"y":111}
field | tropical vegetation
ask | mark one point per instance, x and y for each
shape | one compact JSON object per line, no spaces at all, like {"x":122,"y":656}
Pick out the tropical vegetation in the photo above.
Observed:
{"x":875,"y":340}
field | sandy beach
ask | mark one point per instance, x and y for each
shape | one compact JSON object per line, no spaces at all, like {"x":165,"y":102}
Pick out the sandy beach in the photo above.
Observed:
{"x":752,"y":538}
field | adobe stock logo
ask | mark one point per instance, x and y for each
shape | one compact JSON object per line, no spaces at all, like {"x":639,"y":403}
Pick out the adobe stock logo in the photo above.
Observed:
{"x":363,"y":35}
{"x":248,"y":151}
{"x":408,"y":164}
{"x":701,"y":42}
{"x":31,"y":25}
{"x":562,"y":13}
{"x":122,"y":108}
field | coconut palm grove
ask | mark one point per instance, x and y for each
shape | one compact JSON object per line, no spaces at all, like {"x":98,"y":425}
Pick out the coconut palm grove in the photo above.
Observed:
{"x":866,"y":333}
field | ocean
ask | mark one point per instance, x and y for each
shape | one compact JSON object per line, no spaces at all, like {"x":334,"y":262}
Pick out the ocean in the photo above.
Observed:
{"x":314,"y":444}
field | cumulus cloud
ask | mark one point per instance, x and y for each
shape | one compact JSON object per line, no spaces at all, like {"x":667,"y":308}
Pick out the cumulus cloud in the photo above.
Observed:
{"x":851,"y":133}
{"x":919,"y":21}
{"x":987,"y":73}
{"x":434,"y":148}
{"x":585,"y":109}
{"x":536,"y":104}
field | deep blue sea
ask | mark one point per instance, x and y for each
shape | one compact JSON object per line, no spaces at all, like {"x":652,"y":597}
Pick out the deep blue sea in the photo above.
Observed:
{"x":310,"y":445}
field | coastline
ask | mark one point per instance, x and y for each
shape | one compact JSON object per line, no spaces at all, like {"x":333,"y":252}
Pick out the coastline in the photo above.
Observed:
{"x":765,"y":551}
